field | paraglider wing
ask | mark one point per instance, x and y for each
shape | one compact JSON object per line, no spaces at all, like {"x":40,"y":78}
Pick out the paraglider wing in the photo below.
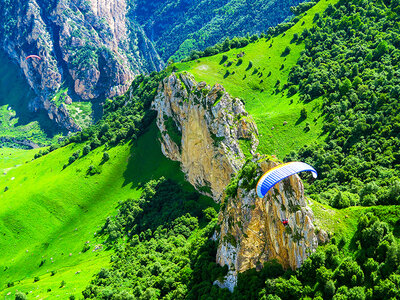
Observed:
{"x":273,"y":176}
{"x":32,"y":56}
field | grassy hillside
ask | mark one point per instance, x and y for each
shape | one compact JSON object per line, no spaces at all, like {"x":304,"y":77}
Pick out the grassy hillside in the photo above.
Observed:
{"x":48,"y":214}
{"x":256,"y":84}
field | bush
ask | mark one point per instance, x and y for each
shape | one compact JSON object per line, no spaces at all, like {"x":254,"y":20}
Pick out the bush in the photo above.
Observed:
{"x":329,"y":289}
{"x":71,"y":159}
{"x":209,"y":213}
{"x":86,"y":150}
{"x":303,"y":113}
{"x":223,"y":59}
{"x":292,"y":90}
{"x":85,"y":248}
{"x":20,"y":296}
{"x":106,"y":156}
{"x":286,"y":51}
{"x":93,"y":170}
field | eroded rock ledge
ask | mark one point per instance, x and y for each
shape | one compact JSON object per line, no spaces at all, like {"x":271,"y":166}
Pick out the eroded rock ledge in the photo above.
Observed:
{"x":201,"y":127}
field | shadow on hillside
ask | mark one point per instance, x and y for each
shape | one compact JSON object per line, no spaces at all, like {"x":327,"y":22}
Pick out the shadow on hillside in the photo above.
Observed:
{"x":396,"y":229}
{"x":299,"y":120}
{"x":146,"y":161}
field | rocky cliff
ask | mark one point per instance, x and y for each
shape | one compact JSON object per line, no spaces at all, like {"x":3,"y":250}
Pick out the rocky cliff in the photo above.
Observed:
{"x":88,"y":46}
{"x":201,"y":127}
{"x":252,"y":231}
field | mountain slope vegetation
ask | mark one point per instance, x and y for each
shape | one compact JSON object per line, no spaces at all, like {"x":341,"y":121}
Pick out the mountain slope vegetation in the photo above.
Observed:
{"x":355,"y":70}
{"x":322,"y":88}
{"x":50,"y":214}
{"x":178,"y":27}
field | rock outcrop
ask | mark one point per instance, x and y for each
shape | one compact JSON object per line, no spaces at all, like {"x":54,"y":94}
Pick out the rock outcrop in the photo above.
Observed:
{"x":201,"y":127}
{"x":88,"y":46}
{"x":252,"y":231}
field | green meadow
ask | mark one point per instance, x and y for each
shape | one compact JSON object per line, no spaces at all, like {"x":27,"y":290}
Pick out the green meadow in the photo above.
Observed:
{"x":48,"y":214}
{"x":255,"y":78}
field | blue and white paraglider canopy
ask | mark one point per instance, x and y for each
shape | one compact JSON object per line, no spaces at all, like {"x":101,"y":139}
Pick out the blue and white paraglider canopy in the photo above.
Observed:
{"x":273,"y":176}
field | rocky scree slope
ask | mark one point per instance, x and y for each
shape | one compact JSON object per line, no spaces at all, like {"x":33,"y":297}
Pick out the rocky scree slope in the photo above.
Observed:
{"x":200,"y":127}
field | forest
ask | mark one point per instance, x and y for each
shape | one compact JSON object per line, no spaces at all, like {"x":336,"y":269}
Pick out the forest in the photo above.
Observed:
{"x":351,"y":61}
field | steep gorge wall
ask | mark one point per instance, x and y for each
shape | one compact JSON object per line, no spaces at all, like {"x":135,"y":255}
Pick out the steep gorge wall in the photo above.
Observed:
{"x":88,"y":46}
{"x":201,"y":127}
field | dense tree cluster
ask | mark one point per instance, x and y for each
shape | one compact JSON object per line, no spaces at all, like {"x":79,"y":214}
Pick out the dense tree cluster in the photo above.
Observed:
{"x":163,"y":244}
{"x":165,"y":252}
{"x":351,"y":60}
{"x":125,"y":118}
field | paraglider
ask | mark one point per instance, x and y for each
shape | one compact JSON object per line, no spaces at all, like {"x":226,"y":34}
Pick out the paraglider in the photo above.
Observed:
{"x":32,"y":56}
{"x":273,"y":176}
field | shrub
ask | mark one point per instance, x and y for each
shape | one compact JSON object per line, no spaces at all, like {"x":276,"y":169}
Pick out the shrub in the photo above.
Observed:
{"x":249,"y":66}
{"x":86,"y":150}
{"x":85,"y":248}
{"x":223,"y":59}
{"x":71,"y":159}
{"x":106,"y":156}
{"x":20,"y":296}
{"x":209,"y":213}
{"x":92,"y":170}
{"x":292,"y":90}
{"x":286,"y":51}
{"x":303,"y":113}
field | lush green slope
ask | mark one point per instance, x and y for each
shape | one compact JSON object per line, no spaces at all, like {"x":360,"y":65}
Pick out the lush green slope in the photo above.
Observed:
{"x":256,"y":84}
{"x":178,"y":27}
{"x":48,"y":213}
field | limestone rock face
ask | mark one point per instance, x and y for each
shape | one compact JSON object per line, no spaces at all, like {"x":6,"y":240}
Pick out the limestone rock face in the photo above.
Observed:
{"x":200,"y":127}
{"x":91,"y":46}
{"x":98,"y":47}
{"x":252,"y":232}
